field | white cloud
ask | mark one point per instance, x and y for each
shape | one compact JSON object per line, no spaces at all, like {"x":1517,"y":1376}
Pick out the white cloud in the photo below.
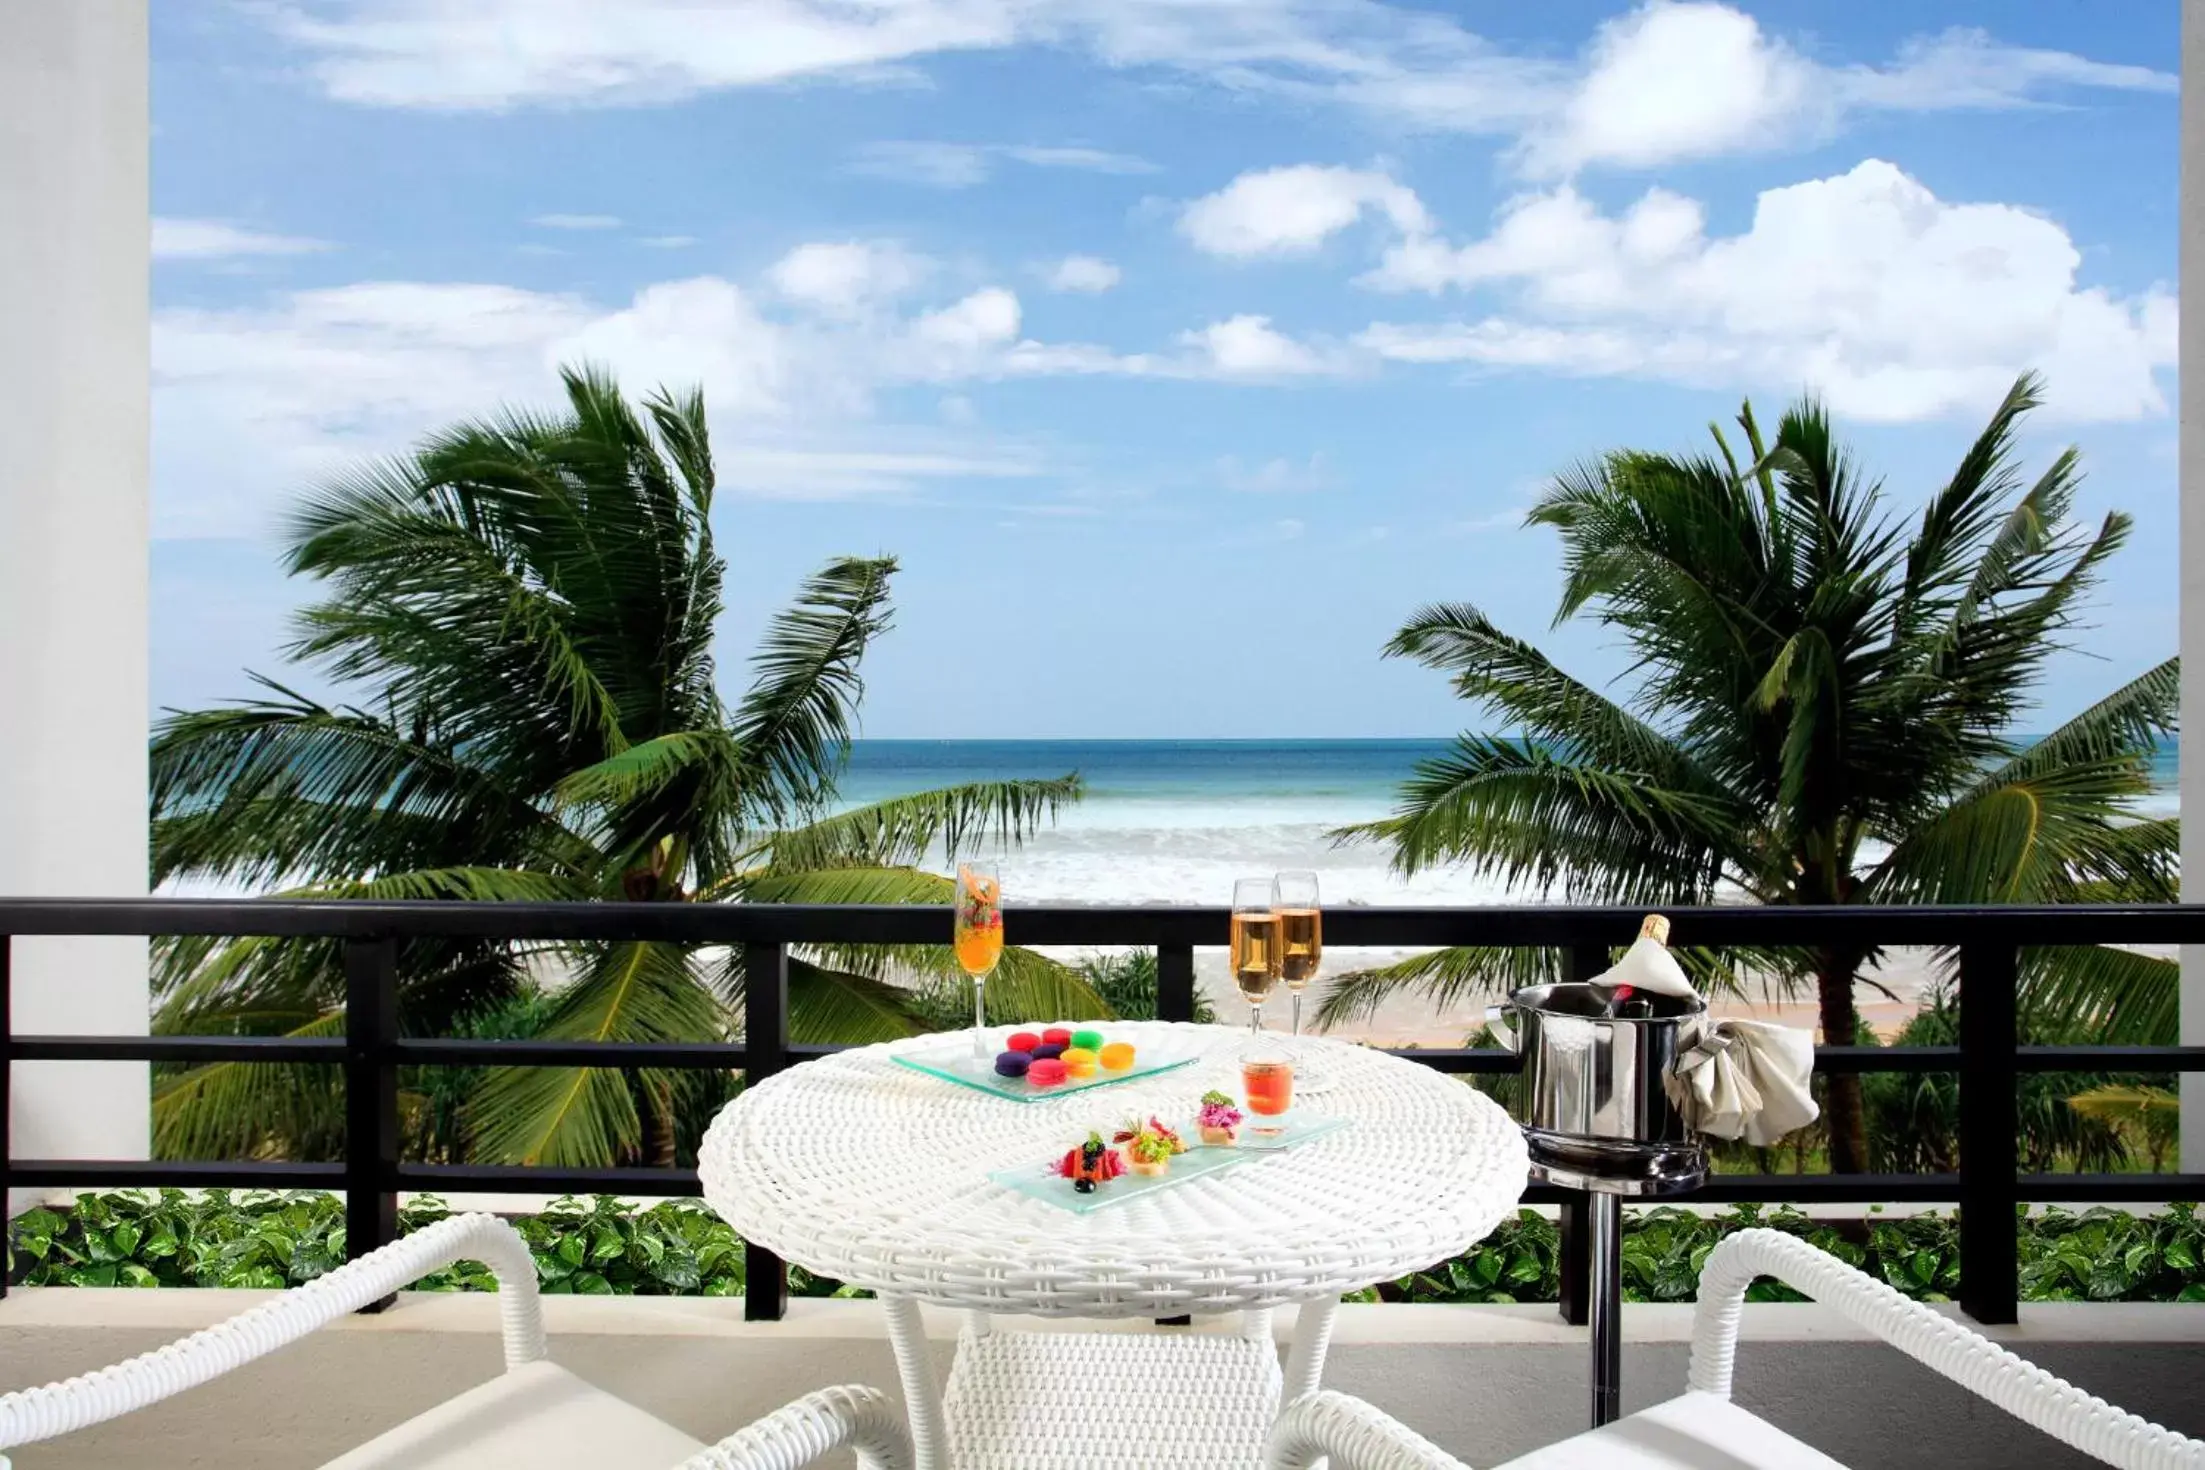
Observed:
{"x":962,"y":165}
{"x":253,"y":404}
{"x":1678,"y":79}
{"x":1892,"y":302}
{"x":1250,"y":347}
{"x":667,"y":242}
{"x":576,"y":221}
{"x":1085,"y":274}
{"x":1294,"y":210}
{"x":210,"y":239}
{"x":1089,"y":160}
{"x":963,"y":339}
{"x":843,"y":277}
{"x":1414,"y":67}
{"x":1279,"y":476}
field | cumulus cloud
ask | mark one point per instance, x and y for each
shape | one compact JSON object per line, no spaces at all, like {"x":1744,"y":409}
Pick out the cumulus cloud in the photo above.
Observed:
{"x":1085,"y":274}
{"x":1731,"y":85}
{"x":253,"y":403}
{"x":1250,"y":347}
{"x":1294,"y":210}
{"x":1865,"y":285}
{"x":1678,"y":79}
{"x":843,"y":277}
{"x":211,"y":239}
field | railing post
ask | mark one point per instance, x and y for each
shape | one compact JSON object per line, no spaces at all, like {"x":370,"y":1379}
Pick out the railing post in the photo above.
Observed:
{"x":371,"y":1097}
{"x":765,"y":1052}
{"x":1174,"y":982}
{"x":1990,"y":1257}
{"x":1573,"y":1254}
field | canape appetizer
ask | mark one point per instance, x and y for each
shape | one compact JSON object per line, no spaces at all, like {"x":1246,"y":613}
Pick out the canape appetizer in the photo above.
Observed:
{"x":1219,"y":1120}
{"x":1091,"y":1163}
{"x":1149,"y":1146}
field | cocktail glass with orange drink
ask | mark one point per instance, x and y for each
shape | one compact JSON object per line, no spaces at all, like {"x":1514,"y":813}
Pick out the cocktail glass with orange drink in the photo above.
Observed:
{"x":978,"y":940}
{"x":1267,"y":1082}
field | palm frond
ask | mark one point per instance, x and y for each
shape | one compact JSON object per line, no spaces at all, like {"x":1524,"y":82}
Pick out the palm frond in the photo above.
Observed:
{"x":794,"y":724}
{"x":903,"y":830}
{"x":585,"y":1116}
{"x":2100,"y":995}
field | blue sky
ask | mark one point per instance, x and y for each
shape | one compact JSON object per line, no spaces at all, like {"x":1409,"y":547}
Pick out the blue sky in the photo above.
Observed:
{"x":1176,"y":344}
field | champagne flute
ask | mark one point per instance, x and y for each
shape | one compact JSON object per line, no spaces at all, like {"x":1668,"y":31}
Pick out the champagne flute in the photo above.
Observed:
{"x":1301,"y":933}
{"x":979,"y":941}
{"x":1255,"y":948}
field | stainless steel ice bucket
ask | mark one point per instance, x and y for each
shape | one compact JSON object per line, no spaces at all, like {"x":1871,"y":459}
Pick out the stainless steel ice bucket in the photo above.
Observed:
{"x":1591,"y":1099}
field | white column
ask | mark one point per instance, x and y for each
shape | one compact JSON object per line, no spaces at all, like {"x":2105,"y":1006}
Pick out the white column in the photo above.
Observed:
{"x":74,"y":386}
{"x":2191,"y":269}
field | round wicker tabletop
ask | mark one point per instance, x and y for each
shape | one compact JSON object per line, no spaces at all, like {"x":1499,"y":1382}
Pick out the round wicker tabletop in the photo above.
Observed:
{"x":860,"y":1169}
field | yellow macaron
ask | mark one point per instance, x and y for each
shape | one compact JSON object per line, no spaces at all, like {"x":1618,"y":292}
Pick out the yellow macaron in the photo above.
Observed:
{"x":1079,"y":1062}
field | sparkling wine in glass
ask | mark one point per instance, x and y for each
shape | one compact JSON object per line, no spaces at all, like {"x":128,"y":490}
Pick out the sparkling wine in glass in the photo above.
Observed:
{"x":1301,"y":933}
{"x":979,"y":940}
{"x":1255,"y":948}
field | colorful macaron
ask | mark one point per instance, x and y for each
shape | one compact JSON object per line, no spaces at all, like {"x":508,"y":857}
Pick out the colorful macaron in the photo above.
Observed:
{"x":1024,"y":1041}
{"x":1116,"y":1056}
{"x":1048,"y":1051}
{"x":1090,"y":1039}
{"x":1045,"y":1072}
{"x":1079,"y":1061}
{"x":1057,"y":1036}
{"x":1012,"y":1063}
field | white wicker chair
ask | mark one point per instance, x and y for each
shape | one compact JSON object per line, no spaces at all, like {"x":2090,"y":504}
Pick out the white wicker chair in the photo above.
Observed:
{"x":535,"y":1413}
{"x":1702,"y":1428}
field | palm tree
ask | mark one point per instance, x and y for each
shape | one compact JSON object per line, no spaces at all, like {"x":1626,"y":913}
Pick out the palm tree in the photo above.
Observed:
{"x":1824,"y":713}
{"x":531,"y":601}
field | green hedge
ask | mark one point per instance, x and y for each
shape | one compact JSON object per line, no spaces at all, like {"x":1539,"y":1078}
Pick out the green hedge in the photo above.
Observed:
{"x":680,"y":1248}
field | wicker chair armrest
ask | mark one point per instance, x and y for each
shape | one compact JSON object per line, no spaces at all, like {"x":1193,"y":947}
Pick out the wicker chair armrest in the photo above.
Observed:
{"x":1353,"y":1434}
{"x":1968,"y":1358}
{"x":851,"y":1417}
{"x":40,"y":1413}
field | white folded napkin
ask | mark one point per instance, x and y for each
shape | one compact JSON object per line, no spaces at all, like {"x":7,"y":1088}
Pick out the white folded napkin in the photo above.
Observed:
{"x":1746,"y":1079}
{"x":1649,"y":966}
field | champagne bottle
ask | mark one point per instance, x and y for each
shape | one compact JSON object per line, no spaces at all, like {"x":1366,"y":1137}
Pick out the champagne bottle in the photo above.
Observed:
{"x":1626,"y":1002}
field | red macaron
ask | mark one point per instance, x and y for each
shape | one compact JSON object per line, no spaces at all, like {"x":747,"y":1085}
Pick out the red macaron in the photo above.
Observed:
{"x":1022,"y":1041}
{"x":1057,"y":1036}
{"x":1045,"y":1072}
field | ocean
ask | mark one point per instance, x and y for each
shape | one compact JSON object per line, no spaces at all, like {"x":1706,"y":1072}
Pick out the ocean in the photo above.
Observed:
{"x":1177,"y":820}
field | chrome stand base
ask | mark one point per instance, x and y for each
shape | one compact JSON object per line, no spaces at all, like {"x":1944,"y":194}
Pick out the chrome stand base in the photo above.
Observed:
{"x":1608,"y":1170}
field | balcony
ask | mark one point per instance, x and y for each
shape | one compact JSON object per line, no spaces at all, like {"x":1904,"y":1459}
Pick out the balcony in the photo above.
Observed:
{"x":1485,"y":1381}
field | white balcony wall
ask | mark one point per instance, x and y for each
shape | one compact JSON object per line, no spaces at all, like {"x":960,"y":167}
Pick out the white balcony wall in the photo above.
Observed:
{"x":2191,"y":267}
{"x":74,"y":343}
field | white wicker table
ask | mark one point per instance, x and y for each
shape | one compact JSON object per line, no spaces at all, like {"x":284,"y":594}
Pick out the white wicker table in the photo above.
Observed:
{"x":866,"y":1171}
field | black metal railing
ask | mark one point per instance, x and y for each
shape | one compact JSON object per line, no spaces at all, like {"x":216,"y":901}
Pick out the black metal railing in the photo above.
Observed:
{"x":1988,"y":1188}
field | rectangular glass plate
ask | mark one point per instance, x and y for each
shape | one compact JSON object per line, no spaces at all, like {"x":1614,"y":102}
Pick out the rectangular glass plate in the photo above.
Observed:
{"x":955,"y":1064}
{"x":1040,"y":1180}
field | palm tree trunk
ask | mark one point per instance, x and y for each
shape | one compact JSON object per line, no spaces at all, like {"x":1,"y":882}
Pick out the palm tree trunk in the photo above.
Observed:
{"x":1847,"y":1121}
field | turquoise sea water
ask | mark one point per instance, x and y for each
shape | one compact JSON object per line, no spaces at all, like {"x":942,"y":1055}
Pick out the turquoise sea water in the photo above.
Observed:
{"x":1179,"y":819}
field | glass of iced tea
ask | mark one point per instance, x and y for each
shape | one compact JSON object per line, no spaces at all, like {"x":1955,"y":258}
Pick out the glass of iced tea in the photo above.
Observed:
{"x":1267,"y":1081}
{"x":979,"y":941}
{"x":1255,"y":946}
